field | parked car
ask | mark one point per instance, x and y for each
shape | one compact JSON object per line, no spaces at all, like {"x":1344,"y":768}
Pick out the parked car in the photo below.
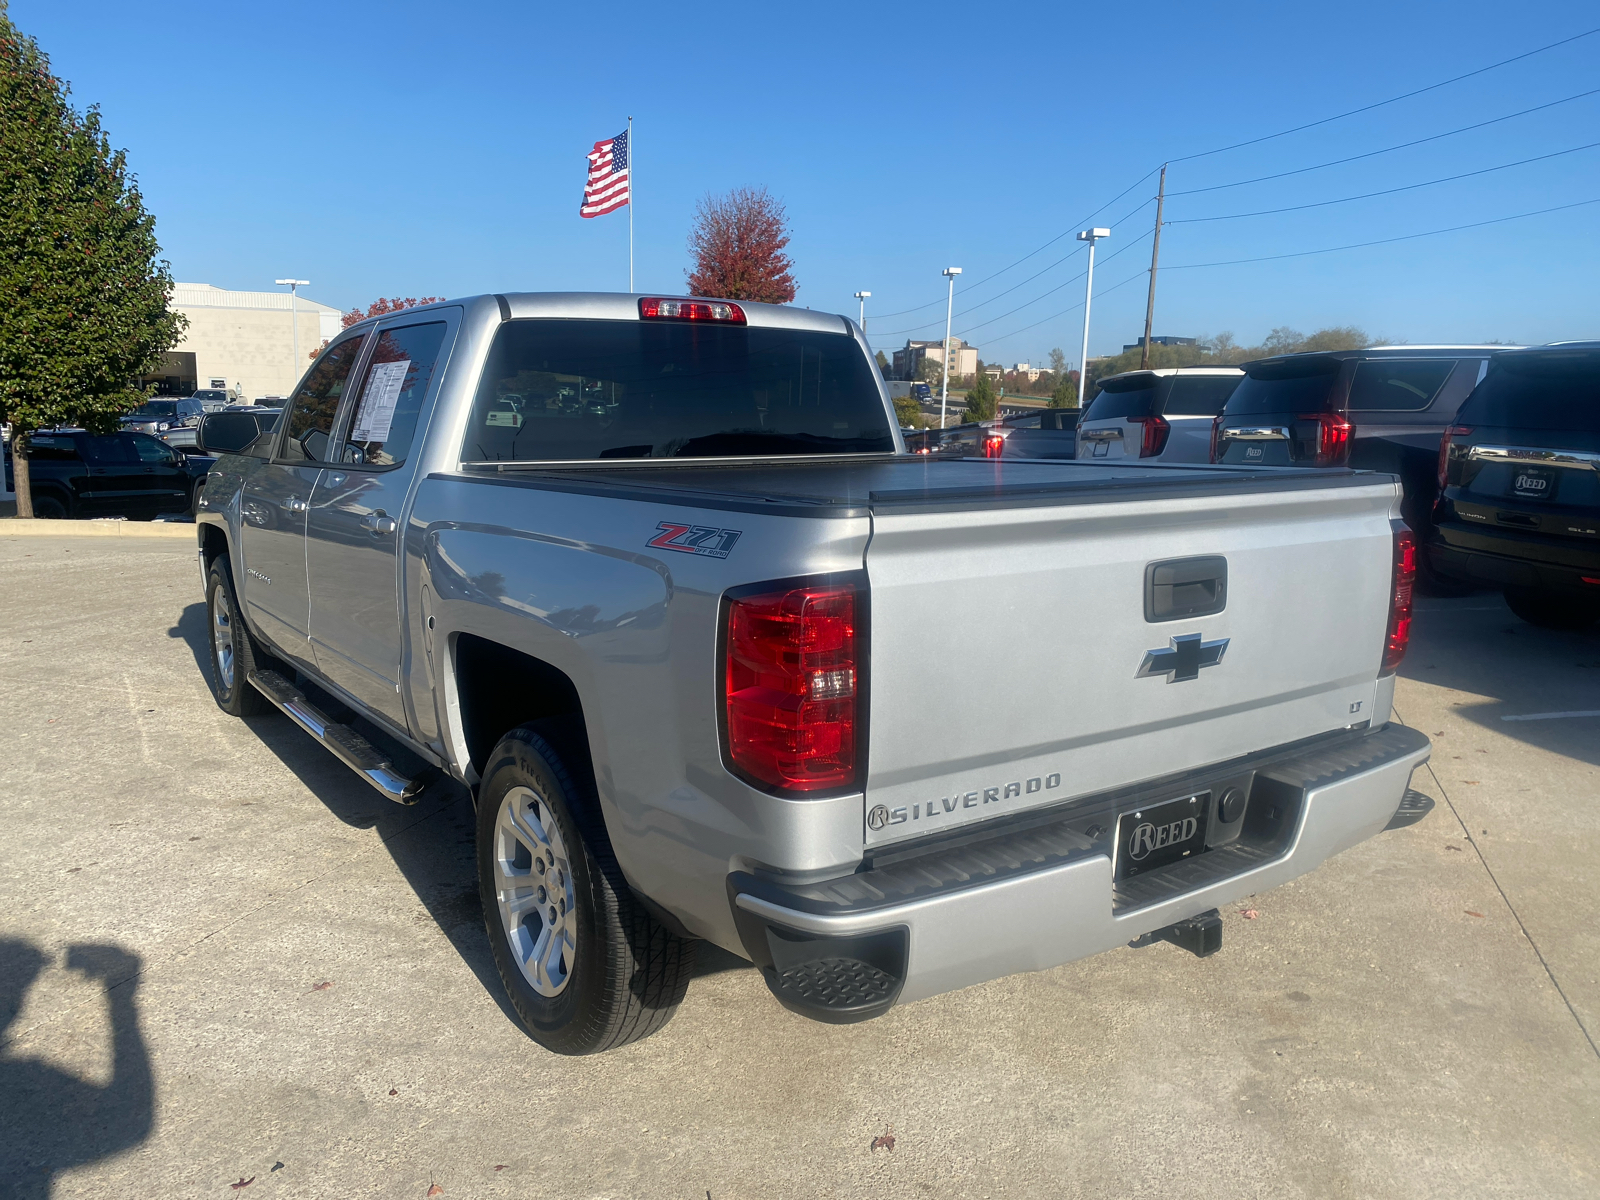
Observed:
{"x":211,"y":399}
{"x":1050,"y":434}
{"x":1380,"y":409}
{"x":77,"y":474}
{"x":1161,"y":415}
{"x":638,"y":630}
{"x":1519,"y":480}
{"x":161,"y":414}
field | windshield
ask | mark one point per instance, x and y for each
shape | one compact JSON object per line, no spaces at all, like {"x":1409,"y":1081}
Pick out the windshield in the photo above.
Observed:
{"x":1289,"y":386}
{"x":573,"y":390}
{"x":1551,"y":390}
{"x":156,"y":408}
{"x":1132,"y":397}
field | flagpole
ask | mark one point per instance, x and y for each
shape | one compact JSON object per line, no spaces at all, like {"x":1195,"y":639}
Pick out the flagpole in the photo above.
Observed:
{"x":630,"y":204}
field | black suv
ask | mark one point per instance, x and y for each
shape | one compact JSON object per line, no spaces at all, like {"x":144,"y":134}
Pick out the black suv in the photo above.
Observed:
{"x":1380,"y":409}
{"x":164,"y":413}
{"x":76,"y":474}
{"x":1519,"y":483}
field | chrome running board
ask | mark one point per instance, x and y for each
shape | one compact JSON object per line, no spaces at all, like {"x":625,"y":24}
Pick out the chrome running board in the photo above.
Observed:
{"x":360,"y":755}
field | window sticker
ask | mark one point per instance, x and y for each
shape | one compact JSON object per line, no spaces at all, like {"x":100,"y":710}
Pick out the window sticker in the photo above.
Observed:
{"x":385,"y":381}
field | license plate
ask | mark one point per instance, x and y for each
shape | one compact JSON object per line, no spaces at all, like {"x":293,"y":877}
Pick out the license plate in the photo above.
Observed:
{"x":1161,"y":833}
{"x":1100,"y":449}
{"x":1533,"y":483}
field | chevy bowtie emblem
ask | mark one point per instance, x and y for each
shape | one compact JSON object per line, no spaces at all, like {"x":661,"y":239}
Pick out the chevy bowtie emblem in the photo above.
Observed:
{"x":1184,"y":660}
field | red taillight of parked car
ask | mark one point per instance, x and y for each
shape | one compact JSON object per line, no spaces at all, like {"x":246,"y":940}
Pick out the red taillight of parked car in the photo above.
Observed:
{"x":1402,"y":585}
{"x":1333,"y":438}
{"x":1153,"y":440}
{"x":655,"y":309}
{"x":792,"y":681}
{"x":1216,"y":435}
{"x":993,"y":445}
{"x":1454,"y":431}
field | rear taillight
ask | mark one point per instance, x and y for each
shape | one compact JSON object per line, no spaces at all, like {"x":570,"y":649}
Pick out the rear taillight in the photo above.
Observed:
{"x":791,"y":682}
{"x":1154,"y":438}
{"x":993,"y":445}
{"x":654,"y":309}
{"x":1216,"y":435}
{"x":1454,"y":431}
{"x":1333,"y":438}
{"x":1401,"y":586}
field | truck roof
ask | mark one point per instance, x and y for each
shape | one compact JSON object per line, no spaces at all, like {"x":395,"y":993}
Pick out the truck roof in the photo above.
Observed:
{"x":624,"y":306}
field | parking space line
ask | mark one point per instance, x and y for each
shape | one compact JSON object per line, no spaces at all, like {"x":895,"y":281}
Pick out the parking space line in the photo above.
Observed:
{"x":1556,"y":716}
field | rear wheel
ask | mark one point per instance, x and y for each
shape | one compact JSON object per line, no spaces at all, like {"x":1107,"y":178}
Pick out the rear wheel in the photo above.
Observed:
{"x":1551,"y":610}
{"x":233,"y":650}
{"x":49,"y":508}
{"x":586,"y":967}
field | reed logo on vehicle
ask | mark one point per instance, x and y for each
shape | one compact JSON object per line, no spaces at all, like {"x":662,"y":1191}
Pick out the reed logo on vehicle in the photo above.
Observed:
{"x":1531,"y":483}
{"x":1147,"y":837}
{"x":695,"y":539}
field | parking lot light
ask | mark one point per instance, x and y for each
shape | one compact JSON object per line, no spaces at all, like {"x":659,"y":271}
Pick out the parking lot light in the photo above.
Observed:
{"x":863,"y":297}
{"x":950,"y":273}
{"x":294,"y":323}
{"x":1091,"y":236}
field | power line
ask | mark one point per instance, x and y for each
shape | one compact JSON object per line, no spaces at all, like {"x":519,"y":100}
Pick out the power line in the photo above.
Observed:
{"x":1072,"y":308}
{"x":1121,"y":250}
{"x":1410,"y":187}
{"x":1382,"y":103}
{"x":1538,"y":212}
{"x":1337,"y":162}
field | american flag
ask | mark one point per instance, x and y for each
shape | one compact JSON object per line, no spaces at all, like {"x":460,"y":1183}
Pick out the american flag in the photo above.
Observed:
{"x":607,"y":187}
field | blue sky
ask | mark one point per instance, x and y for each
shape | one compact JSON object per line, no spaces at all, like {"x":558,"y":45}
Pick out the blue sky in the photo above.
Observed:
{"x":406,"y":149}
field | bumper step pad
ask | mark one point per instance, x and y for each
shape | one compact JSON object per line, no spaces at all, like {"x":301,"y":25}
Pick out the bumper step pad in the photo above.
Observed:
{"x":837,"y":990}
{"x":1414,"y":805}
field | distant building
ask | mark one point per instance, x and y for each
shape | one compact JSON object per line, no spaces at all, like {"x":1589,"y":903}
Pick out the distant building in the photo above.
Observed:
{"x":1028,"y":372}
{"x":1161,"y":341}
{"x":994,"y":370}
{"x":242,"y":341}
{"x":908,"y":361}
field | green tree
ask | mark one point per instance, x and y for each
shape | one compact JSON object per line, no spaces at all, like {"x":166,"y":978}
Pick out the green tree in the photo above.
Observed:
{"x":883,"y":364}
{"x":83,"y":298}
{"x":907,"y":412}
{"x":981,"y":399}
{"x":1058,"y":362}
{"x":1066,"y":393}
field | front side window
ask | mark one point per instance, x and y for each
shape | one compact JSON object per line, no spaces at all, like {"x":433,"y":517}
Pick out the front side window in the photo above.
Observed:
{"x":1398,"y":385}
{"x":576,"y":390}
{"x":392,"y":391}
{"x":151,"y":451}
{"x":313,"y":406}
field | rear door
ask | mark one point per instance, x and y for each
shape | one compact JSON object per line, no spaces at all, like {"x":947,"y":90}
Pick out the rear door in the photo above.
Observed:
{"x":1010,"y":645}
{"x":1111,"y":428}
{"x":119,"y":481}
{"x":355,"y":525}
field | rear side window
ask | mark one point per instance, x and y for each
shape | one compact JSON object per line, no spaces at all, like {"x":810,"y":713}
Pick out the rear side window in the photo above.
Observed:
{"x":575,"y":390}
{"x":1134,"y":397}
{"x":1544,"y":391}
{"x":1199,"y":395}
{"x":392,"y":391}
{"x":44,"y":447}
{"x":1398,"y":385}
{"x":1290,"y":386}
{"x":109,"y":449}
{"x":315,"y":403}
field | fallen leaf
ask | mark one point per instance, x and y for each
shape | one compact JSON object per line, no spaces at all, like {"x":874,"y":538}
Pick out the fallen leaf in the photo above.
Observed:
{"x":1249,"y":914}
{"x":1457,"y":849}
{"x":435,"y":1190}
{"x":323,"y":986}
{"x":277,"y":1166}
{"x":243,"y":1183}
{"x":1470,"y":913}
{"x":885,"y":1139}
{"x":1473,"y":782}
{"x":499,"y":1166}
{"x":394,"y":1091}
{"x":195,"y":838}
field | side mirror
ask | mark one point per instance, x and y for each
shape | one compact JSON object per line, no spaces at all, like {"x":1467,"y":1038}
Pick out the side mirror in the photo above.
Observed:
{"x":227,"y":432}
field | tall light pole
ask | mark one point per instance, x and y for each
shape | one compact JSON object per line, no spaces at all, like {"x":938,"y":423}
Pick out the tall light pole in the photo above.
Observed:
{"x":950,"y":273}
{"x":1091,"y":236}
{"x":294,"y":322}
{"x":863,"y":297}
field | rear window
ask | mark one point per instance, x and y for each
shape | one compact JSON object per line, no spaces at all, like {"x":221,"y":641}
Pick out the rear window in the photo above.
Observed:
{"x":569,"y":390}
{"x":1133,"y":397}
{"x":1545,"y":391}
{"x":1398,"y":384}
{"x":1300,"y":385}
{"x":1199,"y":395}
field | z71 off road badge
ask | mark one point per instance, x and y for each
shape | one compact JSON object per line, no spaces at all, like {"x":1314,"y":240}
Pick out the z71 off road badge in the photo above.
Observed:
{"x":695,"y":539}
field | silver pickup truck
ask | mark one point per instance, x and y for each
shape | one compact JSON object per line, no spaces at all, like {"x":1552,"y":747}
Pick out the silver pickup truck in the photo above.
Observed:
{"x":655,"y":578}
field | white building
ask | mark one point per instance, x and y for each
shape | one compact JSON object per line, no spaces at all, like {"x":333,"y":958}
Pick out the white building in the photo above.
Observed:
{"x":242,"y":341}
{"x":963,"y":359}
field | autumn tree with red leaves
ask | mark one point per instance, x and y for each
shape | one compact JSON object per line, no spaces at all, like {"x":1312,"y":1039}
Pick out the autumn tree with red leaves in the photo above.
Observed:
{"x":381,"y":306}
{"x":738,"y":242}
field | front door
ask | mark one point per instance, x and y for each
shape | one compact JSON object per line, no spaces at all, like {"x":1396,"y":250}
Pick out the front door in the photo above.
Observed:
{"x":276,"y":498}
{"x":165,"y":477}
{"x":356,"y":526}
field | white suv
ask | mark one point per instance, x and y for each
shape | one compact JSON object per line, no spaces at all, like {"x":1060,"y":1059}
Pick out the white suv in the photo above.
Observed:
{"x":1159,"y":415}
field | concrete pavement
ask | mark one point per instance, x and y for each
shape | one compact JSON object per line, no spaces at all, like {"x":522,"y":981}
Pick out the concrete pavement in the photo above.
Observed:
{"x":220,"y":951}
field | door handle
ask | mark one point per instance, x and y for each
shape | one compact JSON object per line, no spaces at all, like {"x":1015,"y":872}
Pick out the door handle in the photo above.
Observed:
{"x":295,"y":505}
{"x":378,"y":523}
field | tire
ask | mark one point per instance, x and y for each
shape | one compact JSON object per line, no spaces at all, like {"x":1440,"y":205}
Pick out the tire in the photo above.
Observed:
{"x":600,"y":971}
{"x":233,"y":651}
{"x":48,"y":508}
{"x":1551,"y":610}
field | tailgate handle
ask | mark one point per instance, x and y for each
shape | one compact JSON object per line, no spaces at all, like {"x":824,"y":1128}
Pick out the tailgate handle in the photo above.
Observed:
{"x":1180,"y":588}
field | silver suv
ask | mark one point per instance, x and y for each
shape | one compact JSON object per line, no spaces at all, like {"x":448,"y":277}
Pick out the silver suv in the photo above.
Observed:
{"x":1159,"y":415}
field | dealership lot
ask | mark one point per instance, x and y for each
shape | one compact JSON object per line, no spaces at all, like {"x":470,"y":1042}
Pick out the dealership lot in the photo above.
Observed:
{"x":299,"y":973}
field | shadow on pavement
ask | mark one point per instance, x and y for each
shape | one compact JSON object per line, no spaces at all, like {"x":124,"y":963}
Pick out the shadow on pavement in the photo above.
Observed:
{"x":51,"y":1120}
{"x":191,"y":627}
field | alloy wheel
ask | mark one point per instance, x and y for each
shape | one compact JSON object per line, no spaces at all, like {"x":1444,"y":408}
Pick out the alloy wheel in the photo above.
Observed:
{"x":533,"y":887}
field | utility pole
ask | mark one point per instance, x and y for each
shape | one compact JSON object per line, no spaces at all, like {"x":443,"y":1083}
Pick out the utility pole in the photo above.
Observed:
{"x":1091,"y":236}
{"x":950,"y":273}
{"x":1155,"y":255}
{"x":294,"y":324}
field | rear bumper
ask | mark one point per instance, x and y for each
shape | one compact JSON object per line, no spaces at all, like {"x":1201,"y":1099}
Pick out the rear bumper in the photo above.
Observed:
{"x":1041,"y":893}
{"x":1501,"y":559}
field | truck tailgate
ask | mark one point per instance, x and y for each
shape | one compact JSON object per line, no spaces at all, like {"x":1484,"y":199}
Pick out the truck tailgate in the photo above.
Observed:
{"x":1007,"y":641}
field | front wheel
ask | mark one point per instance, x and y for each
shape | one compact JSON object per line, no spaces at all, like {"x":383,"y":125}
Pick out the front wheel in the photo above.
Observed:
{"x":1551,"y":610}
{"x":586,"y":967}
{"x":233,"y":651}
